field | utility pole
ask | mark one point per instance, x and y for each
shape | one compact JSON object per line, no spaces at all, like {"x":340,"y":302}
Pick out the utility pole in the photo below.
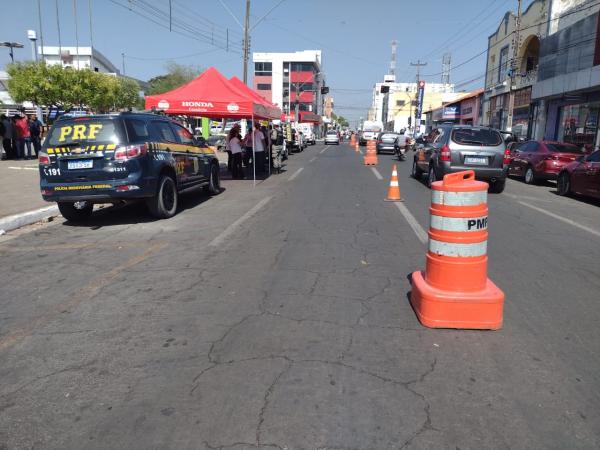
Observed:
{"x":418,"y":65}
{"x":246,"y":41}
{"x":513,"y":64}
{"x":92,"y":65}
{"x":123,"y":63}
{"x":40,"y":25}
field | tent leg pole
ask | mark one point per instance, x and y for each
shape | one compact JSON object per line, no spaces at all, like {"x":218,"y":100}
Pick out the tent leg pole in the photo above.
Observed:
{"x":269,"y":144}
{"x":253,"y":150}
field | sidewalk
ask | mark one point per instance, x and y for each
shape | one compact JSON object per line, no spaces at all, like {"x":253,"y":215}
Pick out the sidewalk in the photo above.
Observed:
{"x":20,"y":185}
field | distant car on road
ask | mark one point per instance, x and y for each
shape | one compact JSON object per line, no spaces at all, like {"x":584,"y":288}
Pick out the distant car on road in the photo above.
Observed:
{"x":581,"y":176}
{"x":541,"y":160}
{"x":332,"y":137}
{"x":386,"y":142}
{"x":454,"y":148}
{"x":121,"y":157}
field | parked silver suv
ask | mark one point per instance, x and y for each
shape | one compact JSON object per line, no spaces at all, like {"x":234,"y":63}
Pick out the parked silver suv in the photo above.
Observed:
{"x":452,"y":148}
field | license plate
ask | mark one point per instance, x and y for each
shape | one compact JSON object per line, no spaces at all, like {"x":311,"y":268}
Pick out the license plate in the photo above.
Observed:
{"x":80,"y":164}
{"x":476,"y":160}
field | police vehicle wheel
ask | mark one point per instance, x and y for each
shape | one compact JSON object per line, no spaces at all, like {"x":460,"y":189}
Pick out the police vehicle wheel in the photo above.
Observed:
{"x":497,"y":186}
{"x":164,"y":204}
{"x":75,"y":211}
{"x":214,"y":183}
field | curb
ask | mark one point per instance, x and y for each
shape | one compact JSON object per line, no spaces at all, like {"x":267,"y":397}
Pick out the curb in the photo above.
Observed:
{"x":15,"y":221}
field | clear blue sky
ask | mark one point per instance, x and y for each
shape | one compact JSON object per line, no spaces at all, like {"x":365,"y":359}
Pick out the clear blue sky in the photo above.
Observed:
{"x":355,"y":36}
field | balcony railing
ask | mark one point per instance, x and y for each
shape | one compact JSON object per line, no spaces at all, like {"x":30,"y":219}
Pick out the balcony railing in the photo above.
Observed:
{"x":526,"y":79}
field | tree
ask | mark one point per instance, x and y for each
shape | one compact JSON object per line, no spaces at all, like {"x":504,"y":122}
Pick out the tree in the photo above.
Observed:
{"x":55,"y":85}
{"x":177,"y":75}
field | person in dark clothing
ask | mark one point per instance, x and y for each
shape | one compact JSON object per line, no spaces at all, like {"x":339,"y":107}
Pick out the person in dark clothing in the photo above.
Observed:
{"x":234,"y":145}
{"x":36,"y":131}
{"x":8,"y":137}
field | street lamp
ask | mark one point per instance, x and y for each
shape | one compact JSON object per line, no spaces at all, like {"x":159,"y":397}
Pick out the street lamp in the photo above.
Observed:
{"x":32,"y":36}
{"x":11,"y":45}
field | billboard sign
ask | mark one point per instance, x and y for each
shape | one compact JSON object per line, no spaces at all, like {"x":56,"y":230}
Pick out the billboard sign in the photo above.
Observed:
{"x":419,"y":110}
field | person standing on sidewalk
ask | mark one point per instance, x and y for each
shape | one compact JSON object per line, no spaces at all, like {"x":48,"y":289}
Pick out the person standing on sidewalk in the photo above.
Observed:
{"x":8,"y":137}
{"x":258,"y":140}
{"x":23,"y":137}
{"x":234,"y":143}
{"x":36,"y":130}
{"x":276,"y":147}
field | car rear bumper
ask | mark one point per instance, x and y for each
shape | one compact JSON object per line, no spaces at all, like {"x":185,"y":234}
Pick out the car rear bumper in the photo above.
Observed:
{"x":385,"y":148}
{"x":332,"y":141}
{"x":481,"y":173}
{"x":106,"y":191}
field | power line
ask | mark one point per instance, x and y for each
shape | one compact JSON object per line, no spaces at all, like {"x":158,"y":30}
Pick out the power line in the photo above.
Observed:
{"x":168,"y":58}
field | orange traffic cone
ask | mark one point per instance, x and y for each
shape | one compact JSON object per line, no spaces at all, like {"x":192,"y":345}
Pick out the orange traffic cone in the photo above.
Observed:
{"x":454,"y":291}
{"x":394,"y":190}
{"x":356,"y":146}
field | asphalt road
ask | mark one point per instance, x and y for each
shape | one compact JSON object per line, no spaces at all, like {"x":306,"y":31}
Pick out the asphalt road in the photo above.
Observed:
{"x":278,"y":316}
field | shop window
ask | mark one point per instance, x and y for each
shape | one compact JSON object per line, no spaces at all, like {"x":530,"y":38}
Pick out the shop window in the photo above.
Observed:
{"x":579,"y":124}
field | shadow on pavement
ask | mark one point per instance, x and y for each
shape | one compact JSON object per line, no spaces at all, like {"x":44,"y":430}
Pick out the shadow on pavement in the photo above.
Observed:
{"x":137,"y":212}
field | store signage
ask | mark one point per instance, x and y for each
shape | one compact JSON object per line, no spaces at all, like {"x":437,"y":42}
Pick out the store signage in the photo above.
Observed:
{"x":451,"y":112}
{"x":419,"y":111}
{"x":233,"y":107}
{"x":197,"y":104}
{"x":163,"y":104}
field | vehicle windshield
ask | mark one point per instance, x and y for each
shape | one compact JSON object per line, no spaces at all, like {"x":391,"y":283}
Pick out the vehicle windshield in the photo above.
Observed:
{"x":389,"y":136}
{"x":85,"y":130}
{"x":564,"y":148}
{"x":332,"y":133}
{"x":476,"y":136}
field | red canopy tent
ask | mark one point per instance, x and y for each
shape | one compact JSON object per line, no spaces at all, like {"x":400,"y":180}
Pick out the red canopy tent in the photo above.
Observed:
{"x":214,"y":96}
{"x":211,"y":95}
{"x":274,"y":111}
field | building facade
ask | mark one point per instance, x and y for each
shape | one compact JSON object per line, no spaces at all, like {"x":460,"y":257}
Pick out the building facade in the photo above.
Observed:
{"x":292,"y":81}
{"x":513,"y":66}
{"x":396,"y":108}
{"x":77,"y":58}
{"x":465,"y":110}
{"x":567,"y":92}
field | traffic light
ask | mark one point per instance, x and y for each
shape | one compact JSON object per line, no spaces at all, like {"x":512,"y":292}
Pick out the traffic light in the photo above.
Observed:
{"x":324,"y":90}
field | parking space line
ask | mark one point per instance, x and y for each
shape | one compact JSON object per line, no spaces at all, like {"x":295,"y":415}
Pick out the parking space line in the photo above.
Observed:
{"x":416,"y":227}
{"x":377,"y":174}
{"x":22,"y":168}
{"x":326,"y":147}
{"x":295,"y":174}
{"x":312,"y":159}
{"x":562,"y":219}
{"x":224,"y":235}
{"x":360,"y":151}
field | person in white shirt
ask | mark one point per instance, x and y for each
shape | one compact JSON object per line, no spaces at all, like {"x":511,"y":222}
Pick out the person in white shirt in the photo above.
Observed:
{"x":234,"y":144}
{"x":258,"y":141}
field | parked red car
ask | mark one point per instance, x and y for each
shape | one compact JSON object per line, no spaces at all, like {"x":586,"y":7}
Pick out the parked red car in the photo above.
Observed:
{"x":581,"y":176}
{"x":541,"y":160}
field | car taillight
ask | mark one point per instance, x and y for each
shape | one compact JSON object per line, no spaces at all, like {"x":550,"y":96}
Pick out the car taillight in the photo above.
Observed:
{"x":506,"y":159}
{"x":445,"y":153}
{"x":43,"y":159}
{"x":130,"y":151}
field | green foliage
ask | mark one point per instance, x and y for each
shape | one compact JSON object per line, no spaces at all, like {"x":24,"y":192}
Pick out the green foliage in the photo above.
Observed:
{"x":177,"y":75}
{"x":341,"y":121}
{"x":65,"y":87}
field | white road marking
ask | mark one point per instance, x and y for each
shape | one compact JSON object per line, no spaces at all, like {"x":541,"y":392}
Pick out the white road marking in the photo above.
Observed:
{"x":312,"y":159}
{"x":326,"y":147}
{"x":377,"y":174}
{"x":295,"y":174}
{"x":525,"y":197}
{"x":416,"y":227}
{"x":221,"y":238}
{"x":562,"y":219}
{"x":22,"y":168}
{"x":360,"y":151}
